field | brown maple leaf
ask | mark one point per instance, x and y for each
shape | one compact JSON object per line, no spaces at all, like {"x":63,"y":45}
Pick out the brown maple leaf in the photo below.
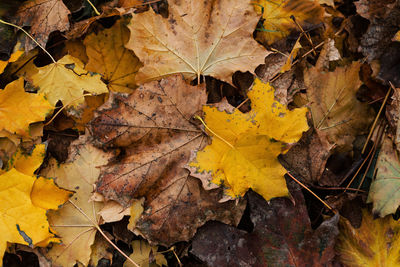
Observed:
{"x":153,"y":128}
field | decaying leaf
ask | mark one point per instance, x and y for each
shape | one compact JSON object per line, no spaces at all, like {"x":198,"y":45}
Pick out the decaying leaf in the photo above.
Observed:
{"x":76,"y":231}
{"x":145,"y":255}
{"x":277,"y":17}
{"x":335,"y":108}
{"x":375,"y":243}
{"x":18,"y":51}
{"x":282,"y":236}
{"x":245,"y":147}
{"x":18,"y":109}
{"x":211,"y":38}
{"x":67,"y":80}
{"x":108,"y":56}
{"x":153,"y":127}
{"x":385,"y":189}
{"x":44,"y":17}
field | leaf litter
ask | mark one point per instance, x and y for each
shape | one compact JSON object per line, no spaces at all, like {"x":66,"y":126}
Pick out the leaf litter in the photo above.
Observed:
{"x":132,"y":79}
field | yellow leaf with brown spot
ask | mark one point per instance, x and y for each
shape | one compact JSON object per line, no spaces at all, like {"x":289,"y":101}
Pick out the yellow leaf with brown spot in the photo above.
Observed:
{"x":109,"y":57}
{"x":18,"y":51}
{"x":245,"y":147}
{"x":18,"y":108}
{"x":277,"y":17}
{"x":375,"y":244}
{"x":66,"y":80}
{"x":209,"y":38}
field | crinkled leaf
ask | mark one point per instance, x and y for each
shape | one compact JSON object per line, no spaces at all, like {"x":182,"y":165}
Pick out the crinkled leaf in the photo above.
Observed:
{"x":245,"y":147}
{"x":211,"y":38}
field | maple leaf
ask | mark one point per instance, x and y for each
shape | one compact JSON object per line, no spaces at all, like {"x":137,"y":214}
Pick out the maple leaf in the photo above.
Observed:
{"x":277,"y":17}
{"x":68,"y":72}
{"x":153,"y":127}
{"x":282,"y":236}
{"x":108,"y":56}
{"x":18,"y":109}
{"x":245,"y":147}
{"x":44,"y":17}
{"x":334,"y":106}
{"x":199,"y":38}
{"x":384,"y":192}
{"x":14,"y":57}
{"x":143,"y":253}
{"x":375,"y":243}
{"x":76,"y":231}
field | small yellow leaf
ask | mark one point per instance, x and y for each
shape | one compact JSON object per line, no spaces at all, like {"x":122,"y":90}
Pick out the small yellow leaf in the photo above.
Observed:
{"x":21,"y":220}
{"x":245,"y":147}
{"x":45,"y":194}
{"x":277,"y":17}
{"x":141,"y":255}
{"x":375,"y":244}
{"x":18,"y":109}
{"x":397,"y":37}
{"x":109,"y":57}
{"x":27,"y":164}
{"x":18,"y":51}
{"x":136,"y":211}
{"x":67,"y":80}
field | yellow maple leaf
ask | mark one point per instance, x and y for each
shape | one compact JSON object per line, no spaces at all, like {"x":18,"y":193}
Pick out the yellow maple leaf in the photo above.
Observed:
{"x":22,"y":220}
{"x":109,"y":57}
{"x":244,"y":148}
{"x":18,"y":51}
{"x":376,"y":243}
{"x":76,"y":231}
{"x":213,"y":38}
{"x":18,"y":109}
{"x":143,"y":252}
{"x":277,"y":17}
{"x":66,"y":80}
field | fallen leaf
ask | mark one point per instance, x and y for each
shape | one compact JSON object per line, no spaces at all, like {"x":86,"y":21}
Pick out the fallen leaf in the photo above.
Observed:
{"x":44,"y":17}
{"x":109,"y":57}
{"x":245,"y":147}
{"x":335,"y":109}
{"x":27,"y":163}
{"x":396,"y":37}
{"x":69,"y":72}
{"x":277,"y":17}
{"x":18,"y":51}
{"x":76,"y":231}
{"x":211,"y":38}
{"x":145,"y":255}
{"x":375,"y":243}
{"x":113,"y":211}
{"x":153,"y":127}
{"x":25,"y":222}
{"x":18,"y":108}
{"x":384,"y":192}
{"x":282,"y":236}
{"x":307,"y":158}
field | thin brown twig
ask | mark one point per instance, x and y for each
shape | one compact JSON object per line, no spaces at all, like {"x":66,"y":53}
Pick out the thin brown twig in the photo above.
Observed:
{"x":309,"y":190}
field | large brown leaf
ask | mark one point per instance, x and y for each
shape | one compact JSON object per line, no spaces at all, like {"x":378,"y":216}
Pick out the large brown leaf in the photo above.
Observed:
{"x":213,"y":38}
{"x":44,"y":17}
{"x":282,"y":236}
{"x":153,"y":128}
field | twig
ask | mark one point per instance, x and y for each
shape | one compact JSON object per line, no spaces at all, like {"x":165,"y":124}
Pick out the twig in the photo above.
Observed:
{"x":94,"y":8}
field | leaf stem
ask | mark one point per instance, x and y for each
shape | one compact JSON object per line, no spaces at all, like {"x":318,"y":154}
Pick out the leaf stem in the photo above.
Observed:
{"x":211,"y":131}
{"x":33,"y":39}
{"x":94,"y":8}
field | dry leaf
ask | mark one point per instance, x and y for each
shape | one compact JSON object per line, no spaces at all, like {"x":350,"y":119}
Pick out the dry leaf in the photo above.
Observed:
{"x":384,"y":192}
{"x":245,"y":147}
{"x":335,"y":109}
{"x":75,"y":230}
{"x":44,"y":17}
{"x":277,"y":17}
{"x":18,"y":109}
{"x":153,"y":124}
{"x":210,"y":38}
{"x":375,"y":244}
{"x":143,"y":253}
{"x":108,"y":56}
{"x":18,"y":51}
{"x":69,"y":73}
